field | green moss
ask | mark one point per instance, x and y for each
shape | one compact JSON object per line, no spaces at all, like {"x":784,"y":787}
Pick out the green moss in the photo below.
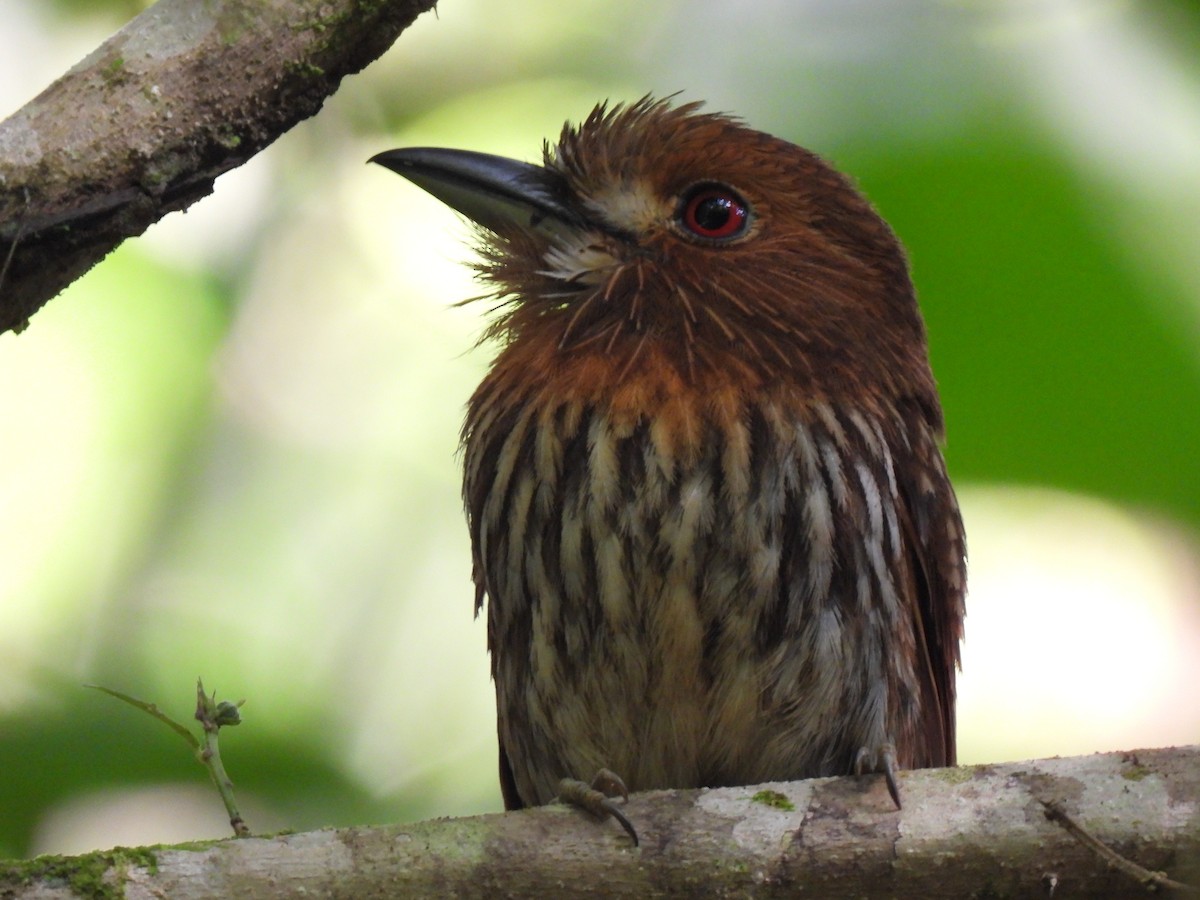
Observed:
{"x":327,"y":19}
{"x":308,"y":70}
{"x":1136,"y":773}
{"x":88,"y":875}
{"x":321,"y":23}
{"x":114,"y":72}
{"x":155,"y":178}
{"x":953,"y":775}
{"x":773,"y":799}
{"x":235,"y":21}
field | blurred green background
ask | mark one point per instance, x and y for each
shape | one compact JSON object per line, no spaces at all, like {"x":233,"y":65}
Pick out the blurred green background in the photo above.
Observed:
{"x":229,"y":450}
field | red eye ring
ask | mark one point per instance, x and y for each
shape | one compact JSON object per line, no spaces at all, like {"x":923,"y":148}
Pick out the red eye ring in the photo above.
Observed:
{"x":714,"y":212}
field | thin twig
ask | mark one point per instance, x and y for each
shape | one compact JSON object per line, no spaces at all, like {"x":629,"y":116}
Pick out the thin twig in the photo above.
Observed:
{"x":1152,"y":881}
{"x":152,"y":710}
{"x":212,"y":715}
{"x":12,"y":247}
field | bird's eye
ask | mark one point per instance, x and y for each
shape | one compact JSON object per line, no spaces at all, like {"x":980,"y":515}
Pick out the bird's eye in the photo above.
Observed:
{"x":714,"y":212}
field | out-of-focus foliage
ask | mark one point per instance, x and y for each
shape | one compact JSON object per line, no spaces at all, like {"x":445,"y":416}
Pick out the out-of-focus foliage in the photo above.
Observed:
{"x":229,"y":450}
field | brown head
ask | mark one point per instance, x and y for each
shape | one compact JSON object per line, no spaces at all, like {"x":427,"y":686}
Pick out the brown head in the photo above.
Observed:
{"x":688,"y":236}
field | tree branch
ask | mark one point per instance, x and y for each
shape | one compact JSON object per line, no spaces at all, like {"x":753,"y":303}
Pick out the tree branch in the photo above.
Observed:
{"x":970,"y":831}
{"x":185,"y":92}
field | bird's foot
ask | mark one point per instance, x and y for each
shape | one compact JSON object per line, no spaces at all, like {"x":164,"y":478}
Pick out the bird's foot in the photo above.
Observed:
{"x":880,"y":759}
{"x":598,"y":797}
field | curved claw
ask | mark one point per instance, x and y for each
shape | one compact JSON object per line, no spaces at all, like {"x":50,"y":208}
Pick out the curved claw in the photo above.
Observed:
{"x":866,"y":761}
{"x":610,"y":807}
{"x":597,"y":798}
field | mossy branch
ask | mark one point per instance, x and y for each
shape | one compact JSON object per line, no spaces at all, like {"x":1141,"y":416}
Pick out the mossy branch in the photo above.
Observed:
{"x":144,"y":125}
{"x":971,"y":831}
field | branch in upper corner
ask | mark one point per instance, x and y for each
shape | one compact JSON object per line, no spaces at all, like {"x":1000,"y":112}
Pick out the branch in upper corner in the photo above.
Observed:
{"x":144,"y":125}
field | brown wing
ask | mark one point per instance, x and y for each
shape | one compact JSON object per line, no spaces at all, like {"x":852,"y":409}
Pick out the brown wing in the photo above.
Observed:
{"x":508,"y":784}
{"x":936,"y":546}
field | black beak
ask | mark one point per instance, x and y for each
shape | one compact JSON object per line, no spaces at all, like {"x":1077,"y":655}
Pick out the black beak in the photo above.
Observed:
{"x":496,"y":192}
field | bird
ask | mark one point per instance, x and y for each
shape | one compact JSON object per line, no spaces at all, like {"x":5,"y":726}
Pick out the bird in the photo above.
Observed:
{"x":710,"y":517}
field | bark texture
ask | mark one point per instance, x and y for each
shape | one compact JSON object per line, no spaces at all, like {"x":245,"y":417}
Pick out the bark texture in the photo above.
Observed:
{"x":974,"y":831}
